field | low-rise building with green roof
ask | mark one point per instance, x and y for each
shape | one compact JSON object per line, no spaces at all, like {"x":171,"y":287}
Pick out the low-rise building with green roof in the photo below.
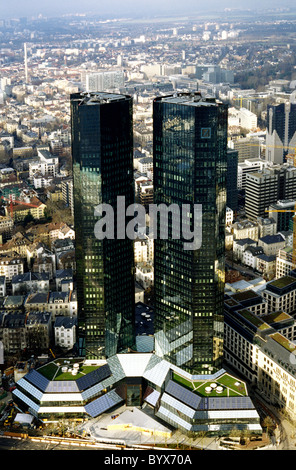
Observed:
{"x":77,"y":388}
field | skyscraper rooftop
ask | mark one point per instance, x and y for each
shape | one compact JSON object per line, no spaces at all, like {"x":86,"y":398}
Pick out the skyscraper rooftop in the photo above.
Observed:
{"x":97,"y":97}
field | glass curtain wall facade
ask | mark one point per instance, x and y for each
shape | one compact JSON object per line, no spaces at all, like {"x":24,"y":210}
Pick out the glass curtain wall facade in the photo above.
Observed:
{"x":102,"y":153}
{"x":190,"y":165}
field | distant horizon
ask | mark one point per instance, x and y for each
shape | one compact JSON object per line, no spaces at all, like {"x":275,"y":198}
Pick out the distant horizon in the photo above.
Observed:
{"x":131,"y":8}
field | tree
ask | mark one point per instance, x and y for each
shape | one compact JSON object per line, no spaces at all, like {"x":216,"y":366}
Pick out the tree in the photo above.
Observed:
{"x":59,"y":212}
{"x":268,"y":424}
{"x":28,"y":218}
{"x":202,"y":435}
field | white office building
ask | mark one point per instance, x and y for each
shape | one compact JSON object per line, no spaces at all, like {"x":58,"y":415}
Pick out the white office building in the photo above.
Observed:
{"x":104,"y":81}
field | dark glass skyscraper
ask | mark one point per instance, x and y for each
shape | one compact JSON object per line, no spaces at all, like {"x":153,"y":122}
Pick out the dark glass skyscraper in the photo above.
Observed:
{"x":190,"y":164}
{"x":232,"y":191}
{"x":102,"y":153}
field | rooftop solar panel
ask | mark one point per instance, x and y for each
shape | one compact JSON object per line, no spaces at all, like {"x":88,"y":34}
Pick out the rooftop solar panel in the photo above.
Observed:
{"x":103,"y":403}
{"x":185,"y":396}
{"x":62,"y":386}
{"x":29,"y":387}
{"x":37,"y":379}
{"x":26,"y":400}
{"x":93,"y":377}
{"x":227,"y":403}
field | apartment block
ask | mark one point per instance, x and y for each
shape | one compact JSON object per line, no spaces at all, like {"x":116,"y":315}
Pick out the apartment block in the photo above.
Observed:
{"x":247,"y":147}
{"x":104,"y":81}
{"x":21,"y":331}
{"x":65,"y":332}
{"x":245,"y":229}
{"x":57,"y":303}
{"x":266,"y":226}
{"x":271,"y":244}
{"x":280,"y":294}
{"x":46,"y":164}
{"x":248,"y":299}
{"x":10,"y":266}
{"x":284,"y":262}
{"x":262,"y":350}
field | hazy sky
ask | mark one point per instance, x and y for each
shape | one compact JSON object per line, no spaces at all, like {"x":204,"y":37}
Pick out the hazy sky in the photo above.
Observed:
{"x":18,"y":8}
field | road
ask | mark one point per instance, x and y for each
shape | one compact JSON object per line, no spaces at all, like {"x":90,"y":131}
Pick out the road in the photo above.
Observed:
{"x":26,"y":444}
{"x":244,"y":270}
{"x":285,"y":433}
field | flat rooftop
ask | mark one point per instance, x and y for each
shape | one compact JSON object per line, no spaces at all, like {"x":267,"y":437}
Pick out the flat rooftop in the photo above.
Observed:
{"x":98,"y":97}
{"x":224,"y":386}
{"x":253,"y":319}
{"x":241,"y":296}
{"x":189,"y":99}
{"x":61,"y":369}
{"x":284,"y":342}
{"x":276,"y":317}
{"x":283,"y":282}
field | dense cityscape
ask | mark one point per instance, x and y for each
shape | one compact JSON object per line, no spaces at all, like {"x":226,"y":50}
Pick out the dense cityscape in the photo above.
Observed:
{"x":148,"y":341}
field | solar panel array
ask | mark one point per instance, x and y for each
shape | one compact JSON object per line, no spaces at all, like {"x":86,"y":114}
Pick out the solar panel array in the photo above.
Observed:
{"x":227,"y":403}
{"x":37,"y":379}
{"x":62,"y":386}
{"x":26,"y":400}
{"x":28,"y":387}
{"x":92,"y":378}
{"x":177,"y":406}
{"x":103,"y":403}
{"x":182,"y":394}
{"x":163,"y":413}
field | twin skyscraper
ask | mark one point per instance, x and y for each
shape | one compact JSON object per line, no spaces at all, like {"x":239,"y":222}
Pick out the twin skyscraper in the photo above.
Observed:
{"x":190,"y":165}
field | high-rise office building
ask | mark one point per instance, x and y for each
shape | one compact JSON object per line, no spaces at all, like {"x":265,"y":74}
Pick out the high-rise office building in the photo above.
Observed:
{"x":267,"y":187}
{"x":248,"y":148}
{"x":190,"y":164}
{"x":232,"y":168}
{"x":103,"y":81}
{"x":281,"y":130}
{"x":102,"y":152}
{"x":248,"y":166}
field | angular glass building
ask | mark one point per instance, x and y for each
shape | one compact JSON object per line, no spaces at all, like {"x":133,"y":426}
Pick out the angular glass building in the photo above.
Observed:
{"x":102,"y":153}
{"x":190,"y":165}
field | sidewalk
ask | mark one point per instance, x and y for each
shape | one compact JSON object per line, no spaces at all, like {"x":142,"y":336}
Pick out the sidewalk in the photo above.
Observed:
{"x":98,"y":430}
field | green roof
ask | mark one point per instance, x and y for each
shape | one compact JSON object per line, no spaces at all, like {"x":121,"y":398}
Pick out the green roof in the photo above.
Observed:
{"x":54,"y":370}
{"x":280,"y":339}
{"x":283,"y":282}
{"x":276,"y":317}
{"x":256,"y":321}
{"x":231,"y":386}
{"x":249,"y":294}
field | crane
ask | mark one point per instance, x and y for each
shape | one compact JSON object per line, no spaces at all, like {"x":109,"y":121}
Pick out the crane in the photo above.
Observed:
{"x":241,"y":98}
{"x":19,"y":202}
